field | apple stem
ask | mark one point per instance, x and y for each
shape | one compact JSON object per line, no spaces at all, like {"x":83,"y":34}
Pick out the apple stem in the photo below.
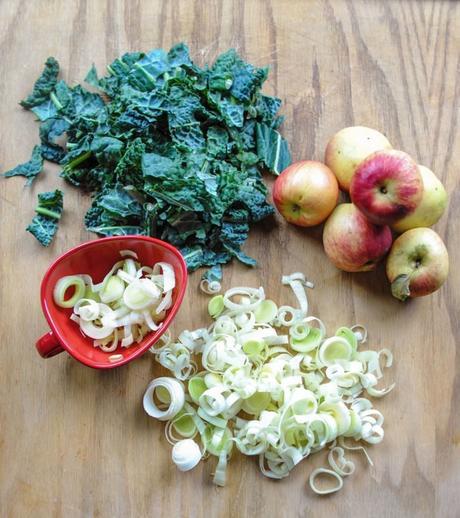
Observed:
{"x":400,"y":287}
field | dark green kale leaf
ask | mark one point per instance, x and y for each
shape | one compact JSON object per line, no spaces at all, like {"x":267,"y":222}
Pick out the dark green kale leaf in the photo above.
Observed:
{"x":272,"y":148}
{"x":46,"y":110}
{"x":197,"y":256}
{"x":128,"y":171}
{"x":43,"y":86}
{"x":29,"y":169}
{"x":167,"y":148}
{"x":49,"y":209}
{"x":115,"y":212}
{"x":50,"y":129}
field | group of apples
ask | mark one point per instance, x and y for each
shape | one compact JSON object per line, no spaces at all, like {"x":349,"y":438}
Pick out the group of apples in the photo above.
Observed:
{"x":390,"y":194}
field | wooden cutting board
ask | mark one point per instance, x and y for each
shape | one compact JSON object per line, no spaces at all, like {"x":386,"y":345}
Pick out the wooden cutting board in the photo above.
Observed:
{"x":75,"y":442}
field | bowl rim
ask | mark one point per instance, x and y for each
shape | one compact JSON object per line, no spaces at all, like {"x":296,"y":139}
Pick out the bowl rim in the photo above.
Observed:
{"x":149,"y":342}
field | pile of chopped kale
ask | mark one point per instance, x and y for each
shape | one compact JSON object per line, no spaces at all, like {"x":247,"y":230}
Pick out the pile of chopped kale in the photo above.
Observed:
{"x":167,"y":149}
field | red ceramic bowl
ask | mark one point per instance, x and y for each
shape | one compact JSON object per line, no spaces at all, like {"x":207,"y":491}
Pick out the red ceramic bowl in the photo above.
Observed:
{"x":96,"y":258}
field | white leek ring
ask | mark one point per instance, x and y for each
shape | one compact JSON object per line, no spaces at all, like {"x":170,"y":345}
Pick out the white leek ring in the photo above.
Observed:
{"x":177,"y":398}
{"x":186,"y":454}
{"x":63,"y":284}
{"x":324,"y":471}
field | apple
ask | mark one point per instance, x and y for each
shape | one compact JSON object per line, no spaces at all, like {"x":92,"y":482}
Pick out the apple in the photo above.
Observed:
{"x":387,"y":186}
{"x":432,"y":206}
{"x":352,"y":242}
{"x":305,"y":193}
{"x":418,"y":263}
{"x":349,"y":147}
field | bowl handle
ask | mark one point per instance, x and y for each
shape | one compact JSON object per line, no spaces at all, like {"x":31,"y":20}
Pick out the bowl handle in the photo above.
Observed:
{"x":48,"y":345}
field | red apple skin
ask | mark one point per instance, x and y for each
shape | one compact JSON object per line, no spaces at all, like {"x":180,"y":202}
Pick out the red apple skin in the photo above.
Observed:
{"x":387,"y":186}
{"x":418,"y":263}
{"x":352,"y":242}
{"x":305,"y":193}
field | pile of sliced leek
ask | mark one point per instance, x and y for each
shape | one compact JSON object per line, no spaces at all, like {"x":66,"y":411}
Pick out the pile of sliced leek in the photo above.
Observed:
{"x":129,"y":303}
{"x":271,"y":384}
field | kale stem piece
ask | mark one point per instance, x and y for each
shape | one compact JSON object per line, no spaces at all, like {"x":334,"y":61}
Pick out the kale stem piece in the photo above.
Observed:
{"x":77,"y":161}
{"x":47,"y":212}
{"x":55,"y":101}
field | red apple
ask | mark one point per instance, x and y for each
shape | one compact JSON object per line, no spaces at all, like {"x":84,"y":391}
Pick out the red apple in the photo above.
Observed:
{"x":387,"y":186}
{"x":352,"y":242}
{"x":305,"y":193}
{"x":418,"y":263}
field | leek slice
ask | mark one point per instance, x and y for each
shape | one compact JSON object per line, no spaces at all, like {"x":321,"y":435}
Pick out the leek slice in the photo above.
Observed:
{"x":186,"y":454}
{"x":176,"y":398}
{"x":302,"y":389}
{"x":266,"y":311}
{"x":127,"y":299}
{"x":63,"y":284}
{"x":196,"y":387}
{"x":140,"y":294}
{"x":184,"y":424}
{"x":256,"y":403}
{"x":216,"y":306}
{"x":335,"y":349}
{"x":113,"y":290}
{"x":331,"y":473}
{"x":350,"y":337}
{"x":87,"y":309}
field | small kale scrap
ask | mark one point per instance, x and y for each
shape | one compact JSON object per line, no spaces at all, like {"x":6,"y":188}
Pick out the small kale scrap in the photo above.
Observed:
{"x":167,"y":148}
{"x":49,"y":209}
{"x":29,"y":169}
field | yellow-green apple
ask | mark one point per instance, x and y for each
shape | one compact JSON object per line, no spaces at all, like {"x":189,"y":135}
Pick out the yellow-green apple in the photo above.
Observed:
{"x":431,"y":207}
{"x":305,"y":193}
{"x":352,"y":242}
{"x":418,"y":263}
{"x":349,"y":147}
{"x":387,"y":186}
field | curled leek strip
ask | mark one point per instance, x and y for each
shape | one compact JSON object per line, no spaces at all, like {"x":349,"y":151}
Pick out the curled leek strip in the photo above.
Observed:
{"x":213,"y":401}
{"x":103,"y":344}
{"x":324,"y":471}
{"x":210,"y":287}
{"x":97,"y":332}
{"x":255,"y":296}
{"x":298,"y":284}
{"x":341,"y":466}
{"x":220,"y":474}
{"x":165,"y":303}
{"x":287,"y":316}
{"x":164,"y":341}
{"x":176,"y":397}
{"x":167,"y":271}
{"x":360,"y":333}
{"x":87,"y":309}
{"x":342,"y":442}
{"x":278,"y":466}
{"x":251,"y":439}
{"x":300,"y":389}
{"x":128,"y":253}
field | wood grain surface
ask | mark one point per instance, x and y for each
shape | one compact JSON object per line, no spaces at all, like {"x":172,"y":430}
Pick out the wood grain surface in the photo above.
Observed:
{"x":76,"y":442}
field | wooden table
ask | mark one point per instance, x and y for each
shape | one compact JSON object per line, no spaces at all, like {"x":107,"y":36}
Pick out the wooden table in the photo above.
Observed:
{"x":76,"y":442}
